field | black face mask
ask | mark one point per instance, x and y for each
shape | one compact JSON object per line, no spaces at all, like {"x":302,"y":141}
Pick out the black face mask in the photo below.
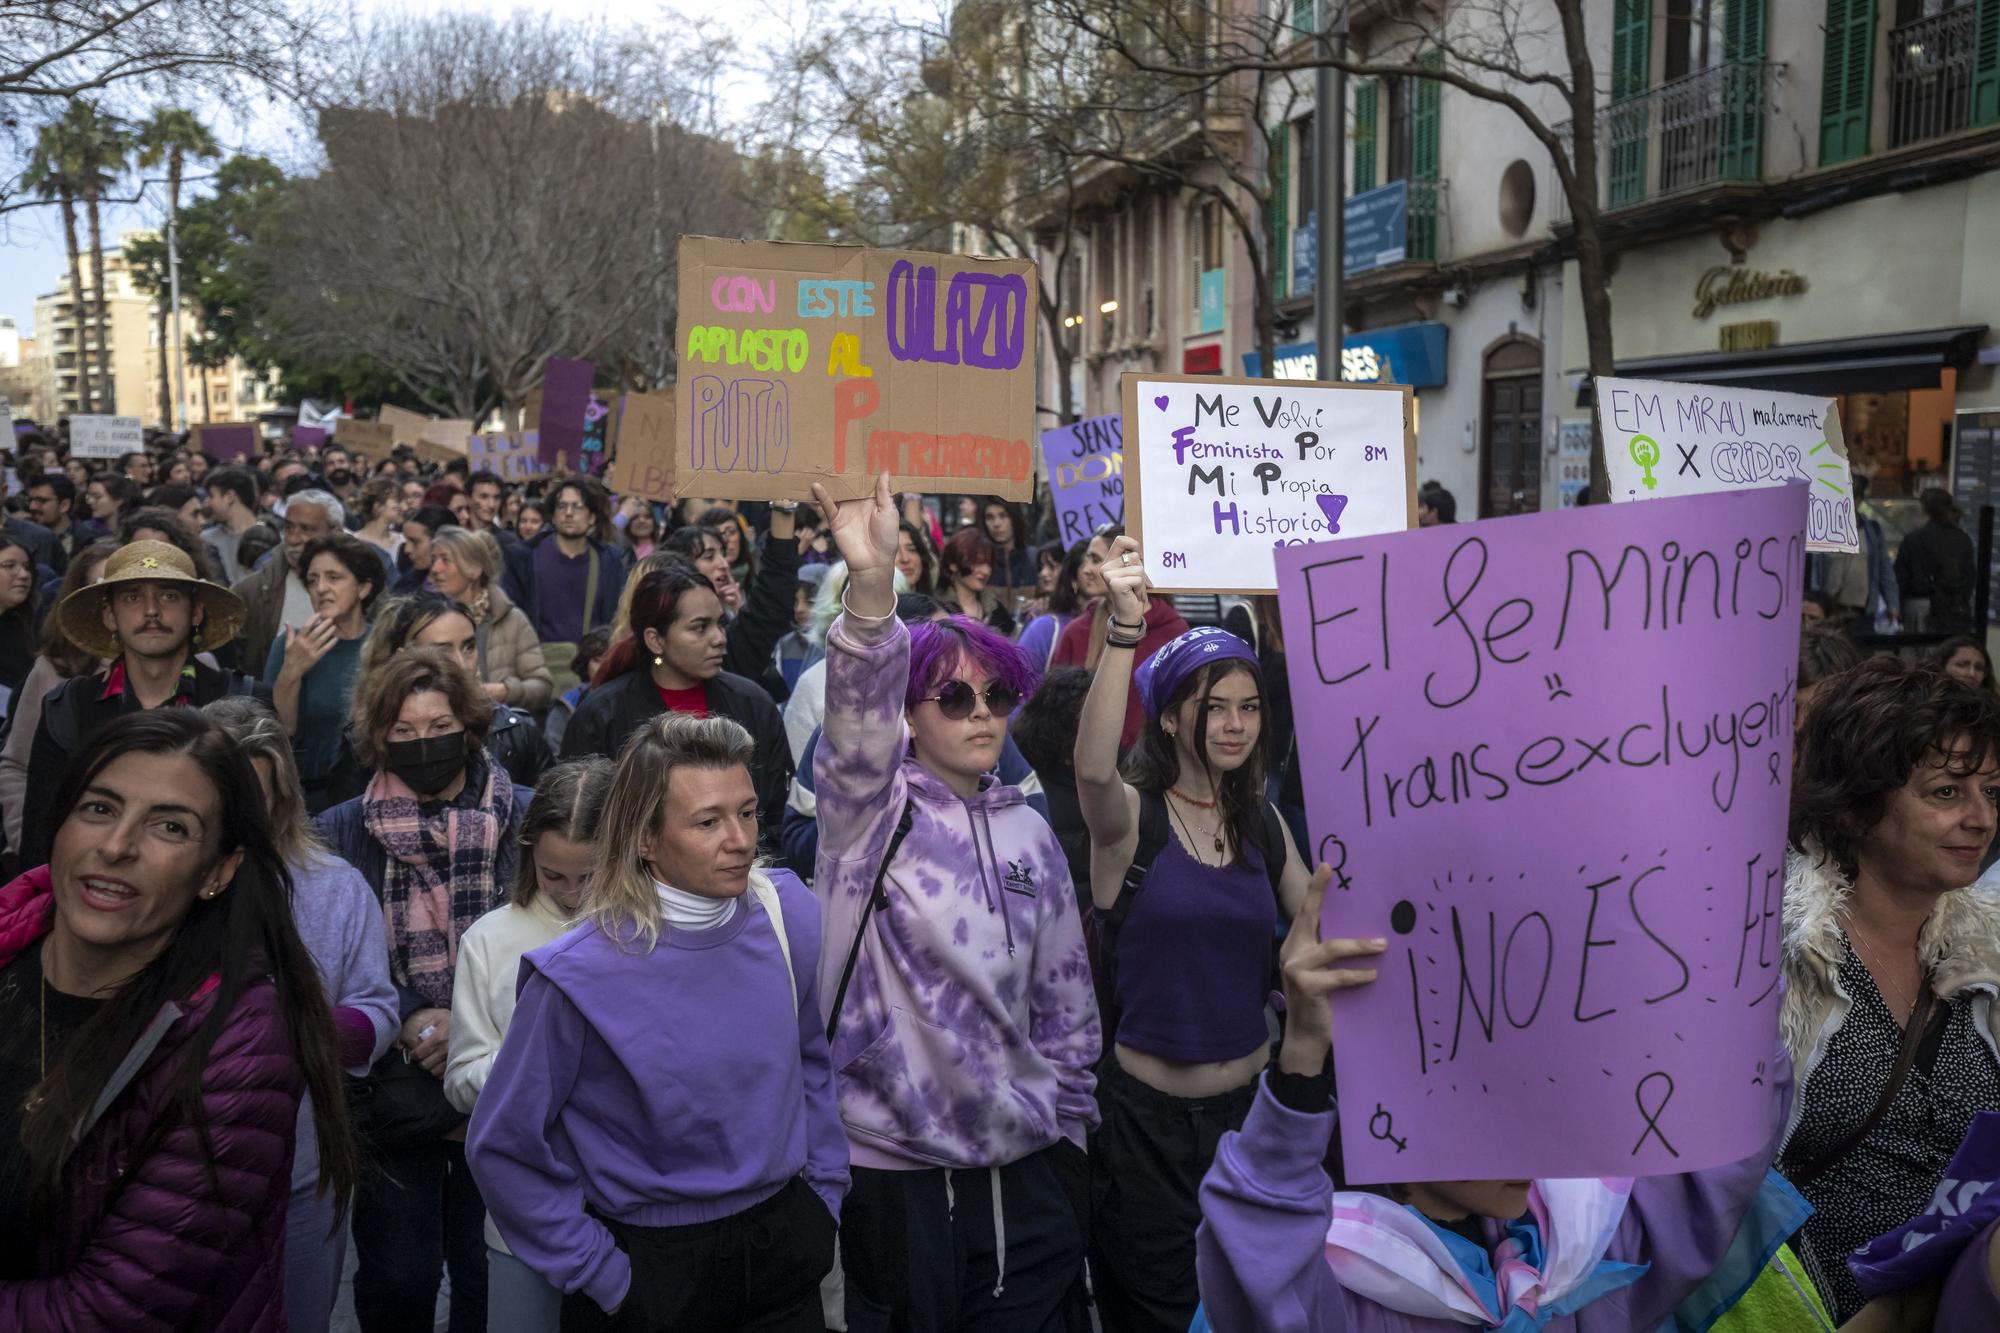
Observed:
{"x":428,"y":765}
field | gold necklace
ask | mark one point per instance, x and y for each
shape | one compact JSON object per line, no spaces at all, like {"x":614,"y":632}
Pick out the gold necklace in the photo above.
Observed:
{"x":1870,"y":957}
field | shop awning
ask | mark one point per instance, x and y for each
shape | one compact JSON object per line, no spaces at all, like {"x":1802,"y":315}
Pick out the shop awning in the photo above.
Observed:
{"x":1877,"y":364}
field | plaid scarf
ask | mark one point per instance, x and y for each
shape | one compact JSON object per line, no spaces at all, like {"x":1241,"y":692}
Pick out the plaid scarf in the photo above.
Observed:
{"x":441,"y":870}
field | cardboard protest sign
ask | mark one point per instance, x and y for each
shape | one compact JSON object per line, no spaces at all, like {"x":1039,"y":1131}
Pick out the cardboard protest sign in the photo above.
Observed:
{"x":564,"y":398}
{"x":1550,"y":765}
{"x":804,"y":363}
{"x":372,"y":437}
{"x":442,"y":441}
{"x":405,"y":426}
{"x":1664,"y":439}
{"x":510,"y":457}
{"x":1086,"y":467}
{"x":1222,"y":472}
{"x":92,"y":436}
{"x":643,"y":463}
{"x":308,"y":437}
{"x":227,"y":444}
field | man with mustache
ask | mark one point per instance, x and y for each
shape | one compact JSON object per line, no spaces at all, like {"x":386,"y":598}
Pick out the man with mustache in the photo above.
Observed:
{"x":148,"y":617}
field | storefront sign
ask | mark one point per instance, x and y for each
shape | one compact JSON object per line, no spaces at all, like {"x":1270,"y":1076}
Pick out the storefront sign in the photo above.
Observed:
{"x":1725,"y":284}
{"x":1214,"y":293}
{"x":1411,"y":354}
{"x":1751,"y":336}
{"x":1378,"y":227}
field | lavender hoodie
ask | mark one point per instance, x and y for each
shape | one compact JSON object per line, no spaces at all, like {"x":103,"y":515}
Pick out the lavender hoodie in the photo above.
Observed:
{"x":662,"y":1088}
{"x":1267,"y":1206}
{"x":970,"y":1026}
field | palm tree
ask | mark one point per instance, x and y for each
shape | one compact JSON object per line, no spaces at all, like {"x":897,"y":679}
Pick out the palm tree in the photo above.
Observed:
{"x":101,"y":147}
{"x":52,"y":175}
{"x":172,"y":135}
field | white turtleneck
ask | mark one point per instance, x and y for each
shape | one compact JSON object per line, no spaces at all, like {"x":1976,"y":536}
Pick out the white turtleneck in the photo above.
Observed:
{"x":691,"y":911}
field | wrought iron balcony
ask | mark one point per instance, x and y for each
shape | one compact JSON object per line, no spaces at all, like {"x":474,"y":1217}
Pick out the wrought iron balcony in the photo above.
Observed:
{"x":1704,"y":129}
{"x":1930,"y":76}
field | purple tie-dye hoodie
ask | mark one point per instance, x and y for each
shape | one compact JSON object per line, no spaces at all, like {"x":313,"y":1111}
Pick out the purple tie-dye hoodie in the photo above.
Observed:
{"x":970,"y":1027}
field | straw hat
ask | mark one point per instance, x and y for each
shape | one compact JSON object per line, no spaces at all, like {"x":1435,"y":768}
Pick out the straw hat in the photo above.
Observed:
{"x":81,"y":613}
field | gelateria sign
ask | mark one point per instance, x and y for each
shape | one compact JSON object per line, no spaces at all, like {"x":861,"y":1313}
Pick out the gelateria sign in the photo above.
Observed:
{"x":1726,"y":284}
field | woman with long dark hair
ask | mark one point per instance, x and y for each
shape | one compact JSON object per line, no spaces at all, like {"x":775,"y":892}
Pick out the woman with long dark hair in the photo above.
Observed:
{"x":1005,"y":524}
{"x":1062,"y":604}
{"x":17,"y":616}
{"x":965,"y":575}
{"x":312,"y":667}
{"x":437,"y":836}
{"x":671,"y":661}
{"x":159,"y":1021}
{"x":1192,"y":874}
{"x":916,"y":558}
{"x":1892,"y":965}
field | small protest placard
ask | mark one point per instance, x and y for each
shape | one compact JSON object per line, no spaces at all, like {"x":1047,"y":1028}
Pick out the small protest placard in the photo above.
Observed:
{"x":804,"y":363}
{"x":442,"y":441}
{"x":405,"y":426}
{"x":1551,"y":763}
{"x":227,"y":443}
{"x":510,"y":457}
{"x":1663,"y":439}
{"x":561,"y":406}
{"x":1220,"y":473}
{"x":643,"y":455}
{"x":1086,"y":467}
{"x":96,"y":436}
{"x":308,"y":437}
{"x":375,"y":438}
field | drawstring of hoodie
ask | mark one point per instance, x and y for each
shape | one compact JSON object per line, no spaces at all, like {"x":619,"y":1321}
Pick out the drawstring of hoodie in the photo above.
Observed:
{"x":985,"y":856}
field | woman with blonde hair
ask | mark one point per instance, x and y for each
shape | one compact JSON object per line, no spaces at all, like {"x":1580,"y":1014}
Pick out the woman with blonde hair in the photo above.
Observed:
{"x":679,"y":1161}
{"x":466,"y":566}
{"x":340,"y":923}
{"x":558,"y":842}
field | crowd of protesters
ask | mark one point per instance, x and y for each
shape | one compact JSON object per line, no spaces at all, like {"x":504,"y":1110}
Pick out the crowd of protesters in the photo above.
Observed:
{"x":575,"y":911}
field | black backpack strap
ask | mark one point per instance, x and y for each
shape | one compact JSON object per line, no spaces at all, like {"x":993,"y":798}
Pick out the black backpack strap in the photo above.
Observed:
{"x":876,"y":898}
{"x":1274,"y":859}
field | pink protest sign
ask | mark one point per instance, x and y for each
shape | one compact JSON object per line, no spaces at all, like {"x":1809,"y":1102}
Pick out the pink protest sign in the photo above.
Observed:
{"x":1548,"y":758}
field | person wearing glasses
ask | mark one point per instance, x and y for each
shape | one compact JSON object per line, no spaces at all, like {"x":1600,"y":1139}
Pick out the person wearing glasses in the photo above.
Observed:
{"x":952,"y":969}
{"x":576,"y":578}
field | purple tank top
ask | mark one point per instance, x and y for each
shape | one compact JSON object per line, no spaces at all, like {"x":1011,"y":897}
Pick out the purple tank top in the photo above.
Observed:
{"x":1194,"y":958}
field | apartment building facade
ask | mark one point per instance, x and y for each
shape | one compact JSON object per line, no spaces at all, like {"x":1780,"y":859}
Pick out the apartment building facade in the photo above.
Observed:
{"x":1803,"y":196}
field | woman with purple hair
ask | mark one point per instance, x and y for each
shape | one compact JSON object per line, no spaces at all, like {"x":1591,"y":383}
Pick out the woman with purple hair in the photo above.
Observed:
{"x":953,"y":970}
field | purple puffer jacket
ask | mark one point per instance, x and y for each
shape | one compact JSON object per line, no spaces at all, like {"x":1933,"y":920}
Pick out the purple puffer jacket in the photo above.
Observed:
{"x":153,"y":1246}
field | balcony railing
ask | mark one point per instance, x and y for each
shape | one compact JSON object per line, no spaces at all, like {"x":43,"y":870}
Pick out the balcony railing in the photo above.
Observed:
{"x":1704,"y":129}
{"x":1930,"y":76}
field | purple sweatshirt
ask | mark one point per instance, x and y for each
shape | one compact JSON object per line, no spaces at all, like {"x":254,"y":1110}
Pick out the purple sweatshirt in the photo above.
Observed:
{"x":1266,"y":1205}
{"x":340,"y":922}
{"x":660,"y":1087}
{"x":970,"y":1027}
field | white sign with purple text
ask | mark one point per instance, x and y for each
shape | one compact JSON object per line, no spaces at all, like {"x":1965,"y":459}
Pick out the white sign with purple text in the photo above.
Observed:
{"x":1220,"y":473}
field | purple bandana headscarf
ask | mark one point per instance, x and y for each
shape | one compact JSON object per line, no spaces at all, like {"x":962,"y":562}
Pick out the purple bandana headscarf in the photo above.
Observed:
{"x":1164,"y":672}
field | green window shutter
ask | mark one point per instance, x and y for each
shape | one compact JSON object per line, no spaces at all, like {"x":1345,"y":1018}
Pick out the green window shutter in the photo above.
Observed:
{"x":1425,"y":124}
{"x":1847,"y":80}
{"x":1986,"y":63}
{"x":1367,"y":98}
{"x":1741,"y":149}
{"x":1278,"y":262}
{"x":1631,"y":75}
{"x":1302,"y":16}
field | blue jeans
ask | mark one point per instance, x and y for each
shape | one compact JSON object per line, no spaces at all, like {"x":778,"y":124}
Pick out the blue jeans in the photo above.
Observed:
{"x":314,"y":1251}
{"x":518,"y":1299}
{"x":417,"y":1211}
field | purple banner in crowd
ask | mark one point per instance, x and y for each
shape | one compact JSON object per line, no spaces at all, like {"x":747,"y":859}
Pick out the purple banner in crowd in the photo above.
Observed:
{"x":565,"y":401}
{"x":1548,"y":758}
{"x":308,"y":437}
{"x":1086,"y":467}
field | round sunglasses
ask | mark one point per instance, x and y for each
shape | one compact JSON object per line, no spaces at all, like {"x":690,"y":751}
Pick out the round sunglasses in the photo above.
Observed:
{"x":955,"y":699}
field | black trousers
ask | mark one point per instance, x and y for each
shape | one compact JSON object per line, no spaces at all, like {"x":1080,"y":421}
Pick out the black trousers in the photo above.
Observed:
{"x":1146,"y":1164}
{"x":983,"y":1250}
{"x":757,"y":1270}
{"x":417,"y":1212}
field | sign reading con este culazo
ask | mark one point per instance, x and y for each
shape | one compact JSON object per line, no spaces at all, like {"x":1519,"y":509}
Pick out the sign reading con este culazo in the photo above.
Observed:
{"x":803,"y":363}
{"x":1550,"y":765}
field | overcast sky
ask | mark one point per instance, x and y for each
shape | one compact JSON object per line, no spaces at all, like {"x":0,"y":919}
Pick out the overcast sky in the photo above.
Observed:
{"x":32,"y":256}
